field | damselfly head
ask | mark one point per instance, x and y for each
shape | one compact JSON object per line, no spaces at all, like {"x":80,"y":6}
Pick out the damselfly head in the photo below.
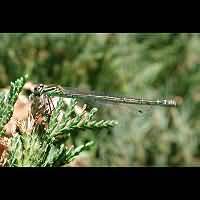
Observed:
{"x":38,"y":90}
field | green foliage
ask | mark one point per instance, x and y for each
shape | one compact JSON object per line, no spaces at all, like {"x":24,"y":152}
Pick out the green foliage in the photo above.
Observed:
{"x":7,"y":102}
{"x":46,"y":146}
{"x":66,"y":124}
{"x":34,"y":151}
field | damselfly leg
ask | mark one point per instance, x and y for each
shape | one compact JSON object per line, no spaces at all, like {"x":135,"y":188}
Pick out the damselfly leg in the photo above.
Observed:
{"x":41,"y":109}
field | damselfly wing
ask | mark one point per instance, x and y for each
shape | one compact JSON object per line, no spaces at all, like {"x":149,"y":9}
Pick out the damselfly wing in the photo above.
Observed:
{"x":139,"y":106}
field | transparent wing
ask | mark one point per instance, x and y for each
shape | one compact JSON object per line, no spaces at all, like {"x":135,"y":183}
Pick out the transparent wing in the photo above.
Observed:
{"x":136,"y":106}
{"x":88,"y":97}
{"x":115,"y":109}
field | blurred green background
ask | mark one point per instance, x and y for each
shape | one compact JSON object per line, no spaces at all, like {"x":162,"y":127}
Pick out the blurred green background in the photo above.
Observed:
{"x":156,"y":65}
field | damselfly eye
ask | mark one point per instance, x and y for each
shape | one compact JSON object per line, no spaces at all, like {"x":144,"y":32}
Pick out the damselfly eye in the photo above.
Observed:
{"x":41,"y":86}
{"x":38,"y":89}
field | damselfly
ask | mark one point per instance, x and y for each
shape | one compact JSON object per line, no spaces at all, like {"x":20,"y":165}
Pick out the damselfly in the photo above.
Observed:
{"x":54,"y":90}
